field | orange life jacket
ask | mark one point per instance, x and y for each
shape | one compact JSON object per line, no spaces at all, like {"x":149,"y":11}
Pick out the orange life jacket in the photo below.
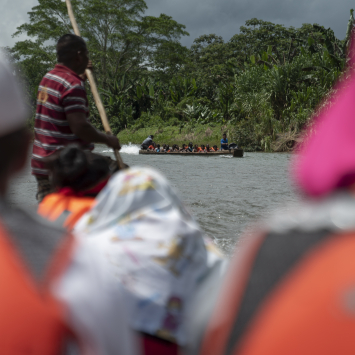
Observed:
{"x":31,"y":320}
{"x":150,"y":147}
{"x":64,"y":210}
{"x":307,"y":309}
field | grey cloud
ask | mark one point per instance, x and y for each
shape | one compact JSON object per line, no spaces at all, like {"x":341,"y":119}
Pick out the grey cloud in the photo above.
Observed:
{"x":13,"y":14}
{"x":222,"y":17}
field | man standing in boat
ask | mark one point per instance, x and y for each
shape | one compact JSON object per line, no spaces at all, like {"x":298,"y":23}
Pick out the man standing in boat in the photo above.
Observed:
{"x":147,"y":142}
{"x":224,"y":142}
{"x":62,"y":110}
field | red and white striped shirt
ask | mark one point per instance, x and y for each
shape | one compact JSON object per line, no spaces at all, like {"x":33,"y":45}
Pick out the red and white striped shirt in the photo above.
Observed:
{"x":60,"y":92}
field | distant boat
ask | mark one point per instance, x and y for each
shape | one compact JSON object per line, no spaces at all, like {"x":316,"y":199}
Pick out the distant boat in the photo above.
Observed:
{"x":237,"y":153}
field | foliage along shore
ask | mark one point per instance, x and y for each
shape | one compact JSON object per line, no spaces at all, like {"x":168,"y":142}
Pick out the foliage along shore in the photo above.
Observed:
{"x":202,"y":134}
{"x":264,"y":83}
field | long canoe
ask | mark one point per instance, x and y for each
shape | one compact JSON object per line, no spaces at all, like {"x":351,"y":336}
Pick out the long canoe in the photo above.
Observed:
{"x":237,"y":153}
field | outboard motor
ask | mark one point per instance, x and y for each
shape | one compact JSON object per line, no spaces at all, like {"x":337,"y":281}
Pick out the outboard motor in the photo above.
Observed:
{"x":233,"y":146}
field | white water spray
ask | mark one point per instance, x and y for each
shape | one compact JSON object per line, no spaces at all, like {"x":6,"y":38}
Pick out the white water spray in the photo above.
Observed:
{"x":131,"y":149}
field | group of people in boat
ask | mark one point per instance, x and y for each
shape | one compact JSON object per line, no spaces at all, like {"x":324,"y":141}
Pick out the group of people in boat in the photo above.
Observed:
{"x":150,"y":145}
{"x":190,"y":148}
{"x":120,"y":266}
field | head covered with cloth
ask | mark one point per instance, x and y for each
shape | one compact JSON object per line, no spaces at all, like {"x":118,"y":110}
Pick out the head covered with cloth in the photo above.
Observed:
{"x":157,"y":251}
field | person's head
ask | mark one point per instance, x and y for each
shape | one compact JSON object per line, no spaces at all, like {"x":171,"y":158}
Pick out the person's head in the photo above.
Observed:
{"x":202,"y":146}
{"x":14,"y":136}
{"x":78,"y":169}
{"x":224,"y":136}
{"x":158,"y":146}
{"x":196,"y":146}
{"x":190,"y":144}
{"x":72,"y":52}
{"x":151,"y":136}
{"x":214,"y":147}
{"x":207,"y":146}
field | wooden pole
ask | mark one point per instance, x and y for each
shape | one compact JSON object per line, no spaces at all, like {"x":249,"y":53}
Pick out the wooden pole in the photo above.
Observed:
{"x":93,"y":88}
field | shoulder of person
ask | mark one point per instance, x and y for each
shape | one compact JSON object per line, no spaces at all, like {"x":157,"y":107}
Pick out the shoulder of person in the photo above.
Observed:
{"x":69,"y":80}
{"x":29,"y":221}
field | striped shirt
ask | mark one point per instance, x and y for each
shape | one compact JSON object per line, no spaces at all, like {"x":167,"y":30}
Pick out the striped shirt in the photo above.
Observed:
{"x":60,"y":92}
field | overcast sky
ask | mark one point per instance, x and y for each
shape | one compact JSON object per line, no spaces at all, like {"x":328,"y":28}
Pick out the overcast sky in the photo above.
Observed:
{"x":222,"y":17}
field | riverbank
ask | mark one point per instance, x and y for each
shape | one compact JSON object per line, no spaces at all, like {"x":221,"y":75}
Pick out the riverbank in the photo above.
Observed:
{"x":200,"y":134}
{"x":208,"y":134}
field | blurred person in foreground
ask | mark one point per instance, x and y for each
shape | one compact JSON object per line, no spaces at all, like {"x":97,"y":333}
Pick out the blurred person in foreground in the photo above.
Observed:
{"x":77,"y":177}
{"x":63,"y":110}
{"x":54,"y":290}
{"x":157,"y":252}
{"x":291,"y":288}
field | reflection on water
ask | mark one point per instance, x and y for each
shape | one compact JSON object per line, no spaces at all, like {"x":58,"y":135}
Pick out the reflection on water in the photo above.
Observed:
{"x":224,"y":194}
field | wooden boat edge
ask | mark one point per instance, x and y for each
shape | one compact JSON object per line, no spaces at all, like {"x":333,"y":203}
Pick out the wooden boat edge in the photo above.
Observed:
{"x":238,"y":153}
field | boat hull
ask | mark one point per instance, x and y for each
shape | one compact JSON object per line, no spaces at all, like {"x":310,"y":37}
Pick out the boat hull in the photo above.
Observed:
{"x":236,"y":153}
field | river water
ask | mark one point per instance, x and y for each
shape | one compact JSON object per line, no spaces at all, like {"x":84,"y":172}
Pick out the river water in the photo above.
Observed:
{"x":224,"y":194}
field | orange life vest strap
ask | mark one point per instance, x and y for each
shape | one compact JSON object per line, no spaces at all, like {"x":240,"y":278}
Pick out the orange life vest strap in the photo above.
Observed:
{"x":64,"y":210}
{"x":222,"y":319}
{"x":31,"y":320}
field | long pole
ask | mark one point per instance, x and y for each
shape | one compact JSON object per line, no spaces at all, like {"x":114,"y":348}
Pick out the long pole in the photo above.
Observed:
{"x":94,"y":90}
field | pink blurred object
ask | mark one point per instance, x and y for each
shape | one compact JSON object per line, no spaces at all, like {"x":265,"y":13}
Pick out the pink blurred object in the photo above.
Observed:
{"x":326,"y":161}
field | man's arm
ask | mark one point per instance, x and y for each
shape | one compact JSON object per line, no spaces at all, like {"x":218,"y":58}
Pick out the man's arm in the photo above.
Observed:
{"x":85,"y":131}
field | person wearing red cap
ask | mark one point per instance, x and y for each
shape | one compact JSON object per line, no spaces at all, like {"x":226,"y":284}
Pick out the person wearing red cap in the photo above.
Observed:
{"x":55,"y":290}
{"x":290,"y":288}
{"x":62,"y":110}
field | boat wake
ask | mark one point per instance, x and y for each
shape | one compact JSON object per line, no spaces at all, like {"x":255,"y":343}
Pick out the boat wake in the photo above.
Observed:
{"x":131,"y":149}
{"x":226,"y":156}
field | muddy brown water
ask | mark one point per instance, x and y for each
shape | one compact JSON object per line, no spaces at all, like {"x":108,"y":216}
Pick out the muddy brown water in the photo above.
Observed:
{"x":224,"y":194}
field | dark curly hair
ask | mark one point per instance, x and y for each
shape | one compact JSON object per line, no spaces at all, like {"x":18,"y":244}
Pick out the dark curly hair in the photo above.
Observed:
{"x":78,"y":169}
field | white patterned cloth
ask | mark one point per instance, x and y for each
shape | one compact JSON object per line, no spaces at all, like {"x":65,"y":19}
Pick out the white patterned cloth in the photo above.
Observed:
{"x":157,"y":251}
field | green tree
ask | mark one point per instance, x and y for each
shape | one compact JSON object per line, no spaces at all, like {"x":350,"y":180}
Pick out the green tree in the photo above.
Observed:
{"x":120,"y":39}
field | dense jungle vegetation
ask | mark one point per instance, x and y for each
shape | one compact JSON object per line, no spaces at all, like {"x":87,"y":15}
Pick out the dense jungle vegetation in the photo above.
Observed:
{"x":264,"y":83}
